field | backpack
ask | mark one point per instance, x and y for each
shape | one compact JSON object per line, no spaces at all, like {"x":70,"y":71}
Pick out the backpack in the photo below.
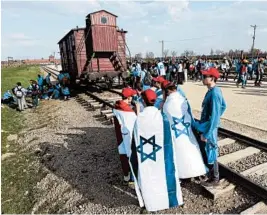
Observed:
{"x":19,"y":93}
{"x":147,"y":79}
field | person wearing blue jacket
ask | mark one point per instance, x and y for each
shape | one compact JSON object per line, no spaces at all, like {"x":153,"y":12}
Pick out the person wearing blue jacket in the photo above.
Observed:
{"x":47,"y":79}
{"x":65,"y":92}
{"x":213,"y":107}
{"x":60,"y":77}
{"x":40,"y":81}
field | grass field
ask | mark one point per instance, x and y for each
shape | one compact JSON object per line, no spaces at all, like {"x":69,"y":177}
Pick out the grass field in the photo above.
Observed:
{"x":18,"y":173}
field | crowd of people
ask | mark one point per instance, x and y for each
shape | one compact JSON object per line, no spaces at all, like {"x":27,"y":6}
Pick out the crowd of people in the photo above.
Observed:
{"x":159,"y":142}
{"x":40,"y":89}
{"x":183,"y":69}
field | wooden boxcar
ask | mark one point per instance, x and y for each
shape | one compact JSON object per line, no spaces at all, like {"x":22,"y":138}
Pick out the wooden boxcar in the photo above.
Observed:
{"x":96,"y":51}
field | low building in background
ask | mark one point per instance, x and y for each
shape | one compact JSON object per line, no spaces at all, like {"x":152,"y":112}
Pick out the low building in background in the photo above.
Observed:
{"x":50,"y":60}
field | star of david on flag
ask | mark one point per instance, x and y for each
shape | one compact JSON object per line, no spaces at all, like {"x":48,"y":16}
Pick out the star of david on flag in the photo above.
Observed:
{"x":178,"y":131}
{"x":155,"y":148}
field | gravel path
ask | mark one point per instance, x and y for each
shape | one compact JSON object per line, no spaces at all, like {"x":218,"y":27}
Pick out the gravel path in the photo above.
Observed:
{"x":77,"y":151}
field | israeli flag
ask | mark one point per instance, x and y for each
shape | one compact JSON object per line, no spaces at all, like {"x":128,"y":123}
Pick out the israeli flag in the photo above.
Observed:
{"x":152,"y":162}
{"x":126,"y":120}
{"x":188,"y":156}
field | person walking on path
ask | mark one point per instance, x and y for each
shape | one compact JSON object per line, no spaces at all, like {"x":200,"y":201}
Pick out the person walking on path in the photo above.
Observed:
{"x":213,"y":107}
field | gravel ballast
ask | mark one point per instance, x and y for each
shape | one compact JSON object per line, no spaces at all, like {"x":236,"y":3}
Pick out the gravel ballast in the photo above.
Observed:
{"x":78,"y":153}
{"x":248,"y":162}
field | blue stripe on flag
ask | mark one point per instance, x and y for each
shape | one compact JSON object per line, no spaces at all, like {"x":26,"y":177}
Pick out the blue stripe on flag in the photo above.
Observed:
{"x":169,"y":163}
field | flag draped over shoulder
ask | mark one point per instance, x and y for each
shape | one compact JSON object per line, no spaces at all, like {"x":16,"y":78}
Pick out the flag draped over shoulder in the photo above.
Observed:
{"x":152,"y":162}
{"x":124,"y":122}
{"x":188,"y":156}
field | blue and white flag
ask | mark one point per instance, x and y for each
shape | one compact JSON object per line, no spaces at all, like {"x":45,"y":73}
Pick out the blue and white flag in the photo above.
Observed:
{"x":126,"y":120}
{"x":188,"y":156}
{"x":152,"y":162}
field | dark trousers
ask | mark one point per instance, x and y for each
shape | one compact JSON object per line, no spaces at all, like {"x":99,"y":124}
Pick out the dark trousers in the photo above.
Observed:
{"x":213,"y":168}
{"x":180,"y":77}
{"x":225,"y":74}
{"x":198,"y":75}
{"x":258,"y":79}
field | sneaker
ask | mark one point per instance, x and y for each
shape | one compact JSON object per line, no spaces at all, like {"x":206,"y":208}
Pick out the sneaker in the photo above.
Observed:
{"x":203,"y":178}
{"x":211,"y":183}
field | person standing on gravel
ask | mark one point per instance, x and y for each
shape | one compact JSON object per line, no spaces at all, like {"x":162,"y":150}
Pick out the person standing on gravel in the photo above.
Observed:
{"x":19,"y":93}
{"x":40,"y":81}
{"x":35,"y":93}
{"x":213,"y":107}
{"x":186,"y":148}
{"x":156,"y":181}
{"x":124,"y":120}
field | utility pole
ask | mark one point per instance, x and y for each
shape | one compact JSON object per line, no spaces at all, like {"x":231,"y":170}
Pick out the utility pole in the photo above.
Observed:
{"x":253,"y":42}
{"x":162,"y":48}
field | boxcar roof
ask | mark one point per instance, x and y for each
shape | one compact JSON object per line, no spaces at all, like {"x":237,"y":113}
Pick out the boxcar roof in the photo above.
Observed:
{"x":101,"y":11}
{"x":72,"y":30}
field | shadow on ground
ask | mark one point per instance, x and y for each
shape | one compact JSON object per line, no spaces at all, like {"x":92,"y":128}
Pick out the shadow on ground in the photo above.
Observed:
{"x":90,"y":163}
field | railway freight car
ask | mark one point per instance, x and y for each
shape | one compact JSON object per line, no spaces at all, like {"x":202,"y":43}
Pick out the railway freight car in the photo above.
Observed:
{"x":96,"y":52}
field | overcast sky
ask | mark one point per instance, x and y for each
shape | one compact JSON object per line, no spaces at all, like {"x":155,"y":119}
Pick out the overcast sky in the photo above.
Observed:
{"x":32,"y":29}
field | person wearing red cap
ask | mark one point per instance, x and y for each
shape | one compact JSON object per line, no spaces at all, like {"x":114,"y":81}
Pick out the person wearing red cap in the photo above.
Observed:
{"x":213,"y":107}
{"x":124,"y":119}
{"x":156,"y":179}
{"x":176,"y":108}
{"x":157,"y":84}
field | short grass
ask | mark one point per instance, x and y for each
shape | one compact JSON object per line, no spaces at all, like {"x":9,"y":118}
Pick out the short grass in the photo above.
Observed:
{"x":19,"y":172}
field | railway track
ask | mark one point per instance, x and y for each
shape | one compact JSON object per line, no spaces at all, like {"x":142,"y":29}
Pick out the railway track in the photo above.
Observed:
{"x":242,"y":160}
{"x":54,"y":72}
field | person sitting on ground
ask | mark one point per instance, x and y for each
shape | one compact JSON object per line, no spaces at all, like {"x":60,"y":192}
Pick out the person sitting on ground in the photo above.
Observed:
{"x":45,"y":93}
{"x":56,"y":92}
{"x":65,"y":92}
{"x":50,"y":90}
{"x":66,"y":78}
{"x":7,"y":98}
{"x":47,"y":79}
{"x":60,"y":77}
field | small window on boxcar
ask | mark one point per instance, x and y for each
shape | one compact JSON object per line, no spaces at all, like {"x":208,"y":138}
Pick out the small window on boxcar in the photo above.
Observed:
{"x":103,"y":20}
